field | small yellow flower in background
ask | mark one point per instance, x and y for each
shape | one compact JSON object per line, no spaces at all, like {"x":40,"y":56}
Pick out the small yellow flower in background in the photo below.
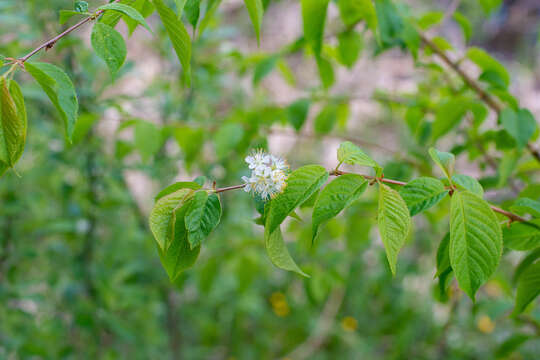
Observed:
{"x":348,"y":323}
{"x":485,"y":324}
{"x":279,"y":304}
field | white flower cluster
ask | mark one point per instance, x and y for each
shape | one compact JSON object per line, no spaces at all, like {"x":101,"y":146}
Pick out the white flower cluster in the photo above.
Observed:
{"x":268,"y":174}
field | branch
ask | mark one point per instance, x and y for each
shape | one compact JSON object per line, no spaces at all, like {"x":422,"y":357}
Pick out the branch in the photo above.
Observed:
{"x":50,"y":43}
{"x":511,"y":216}
{"x":230,"y":188}
{"x":472,"y":84}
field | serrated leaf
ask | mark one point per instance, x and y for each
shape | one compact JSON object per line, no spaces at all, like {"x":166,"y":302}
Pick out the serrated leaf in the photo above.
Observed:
{"x":522,"y":236}
{"x":466,"y":182}
{"x":528,"y":287}
{"x":278,"y":253}
{"x":351,"y":154}
{"x":178,"y":256}
{"x":13,"y":123}
{"x":255,"y":9}
{"x":394,"y":223}
{"x":297,"y":113}
{"x":488,"y":63}
{"x":301,"y":184}
{"x":475,"y":241}
{"x":521,"y":125}
{"x":335,"y":197}
{"x":444,"y":160}
{"x":202,"y":217}
{"x":59,"y":88}
{"x":314,"y":18}
{"x":526,"y":205}
{"x":128,"y":11}
{"x":178,"y":35}
{"x":109,"y":46}
{"x":422,"y":193}
{"x":177,"y":186}
{"x":162,"y":214}
{"x":443,"y":256}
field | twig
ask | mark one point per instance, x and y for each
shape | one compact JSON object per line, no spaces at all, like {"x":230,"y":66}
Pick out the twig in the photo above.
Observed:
{"x":50,"y":43}
{"x":472,"y":84}
{"x":230,"y":188}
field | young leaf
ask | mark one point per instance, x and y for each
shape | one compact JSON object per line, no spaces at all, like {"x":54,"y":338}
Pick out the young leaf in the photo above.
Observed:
{"x":521,"y":125}
{"x":351,"y":154}
{"x":162,"y":213}
{"x":430,"y":19}
{"x":192,"y":10}
{"x":13,"y":123}
{"x":178,"y":256}
{"x":526,"y":205}
{"x":444,"y":160}
{"x":202,"y":217}
{"x":109,"y":45}
{"x":177,"y":186}
{"x":297,"y":113}
{"x":528,"y":287}
{"x":255,"y":9}
{"x":336,"y":196}
{"x":353,"y":11}
{"x":522,"y":236}
{"x":466,"y":182}
{"x":178,"y":35}
{"x":422,"y":193}
{"x":59,"y":88}
{"x":80,"y":6}
{"x":301,"y":184}
{"x":475,"y":241}
{"x":314,"y":17}
{"x":349,"y":47}
{"x":128,"y":11}
{"x":465,"y":25}
{"x":394,"y":223}
{"x":443,"y":256}
{"x":278,"y":253}
{"x":211,"y":8}
{"x":487,"y":63}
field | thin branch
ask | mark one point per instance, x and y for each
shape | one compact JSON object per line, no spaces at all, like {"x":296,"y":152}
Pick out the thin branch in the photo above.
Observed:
{"x":472,"y":84}
{"x":50,"y":43}
{"x":511,"y":216}
{"x":230,"y":188}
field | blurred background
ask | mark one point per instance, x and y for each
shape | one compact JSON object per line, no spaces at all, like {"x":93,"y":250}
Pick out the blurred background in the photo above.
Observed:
{"x":80,"y":276}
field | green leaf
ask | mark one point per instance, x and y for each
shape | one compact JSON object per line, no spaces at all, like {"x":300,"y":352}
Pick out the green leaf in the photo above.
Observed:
{"x":211,"y":8}
{"x":264,"y":68}
{"x":110,"y":46}
{"x":148,"y":139}
{"x":444,"y":160}
{"x":443,"y":256}
{"x":192,"y":10}
{"x":450,"y":113}
{"x":490,"y":5}
{"x":390,"y":23}
{"x":297,"y":113}
{"x":65,"y":15}
{"x":178,"y":256}
{"x":430,"y":19}
{"x":178,"y":35}
{"x":301,"y":184}
{"x":59,"y":88}
{"x":528,"y":287}
{"x":255,"y":9}
{"x":475,"y":241}
{"x":349,"y":46}
{"x":80,"y":6}
{"x":351,"y":154}
{"x":128,"y":11}
{"x":227,"y":138}
{"x":466,"y":182}
{"x":326,"y":72}
{"x":190,"y":141}
{"x":522,"y":236}
{"x":521,"y":125}
{"x":525,"y":263}
{"x":526,"y":205}
{"x":13,"y":123}
{"x":394,"y":223}
{"x":202,"y":217}
{"x":314,"y":18}
{"x":353,"y":11}
{"x":465,"y":25}
{"x":83,"y":126}
{"x":487,"y":63}
{"x":278,"y":253}
{"x":326,"y":119}
{"x":177,"y":186}
{"x":422,"y":193}
{"x":336,"y":196}
{"x":511,"y":344}
{"x":162,"y":214}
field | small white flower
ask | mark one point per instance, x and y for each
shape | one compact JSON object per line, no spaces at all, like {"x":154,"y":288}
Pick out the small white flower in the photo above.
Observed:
{"x":268,"y":174}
